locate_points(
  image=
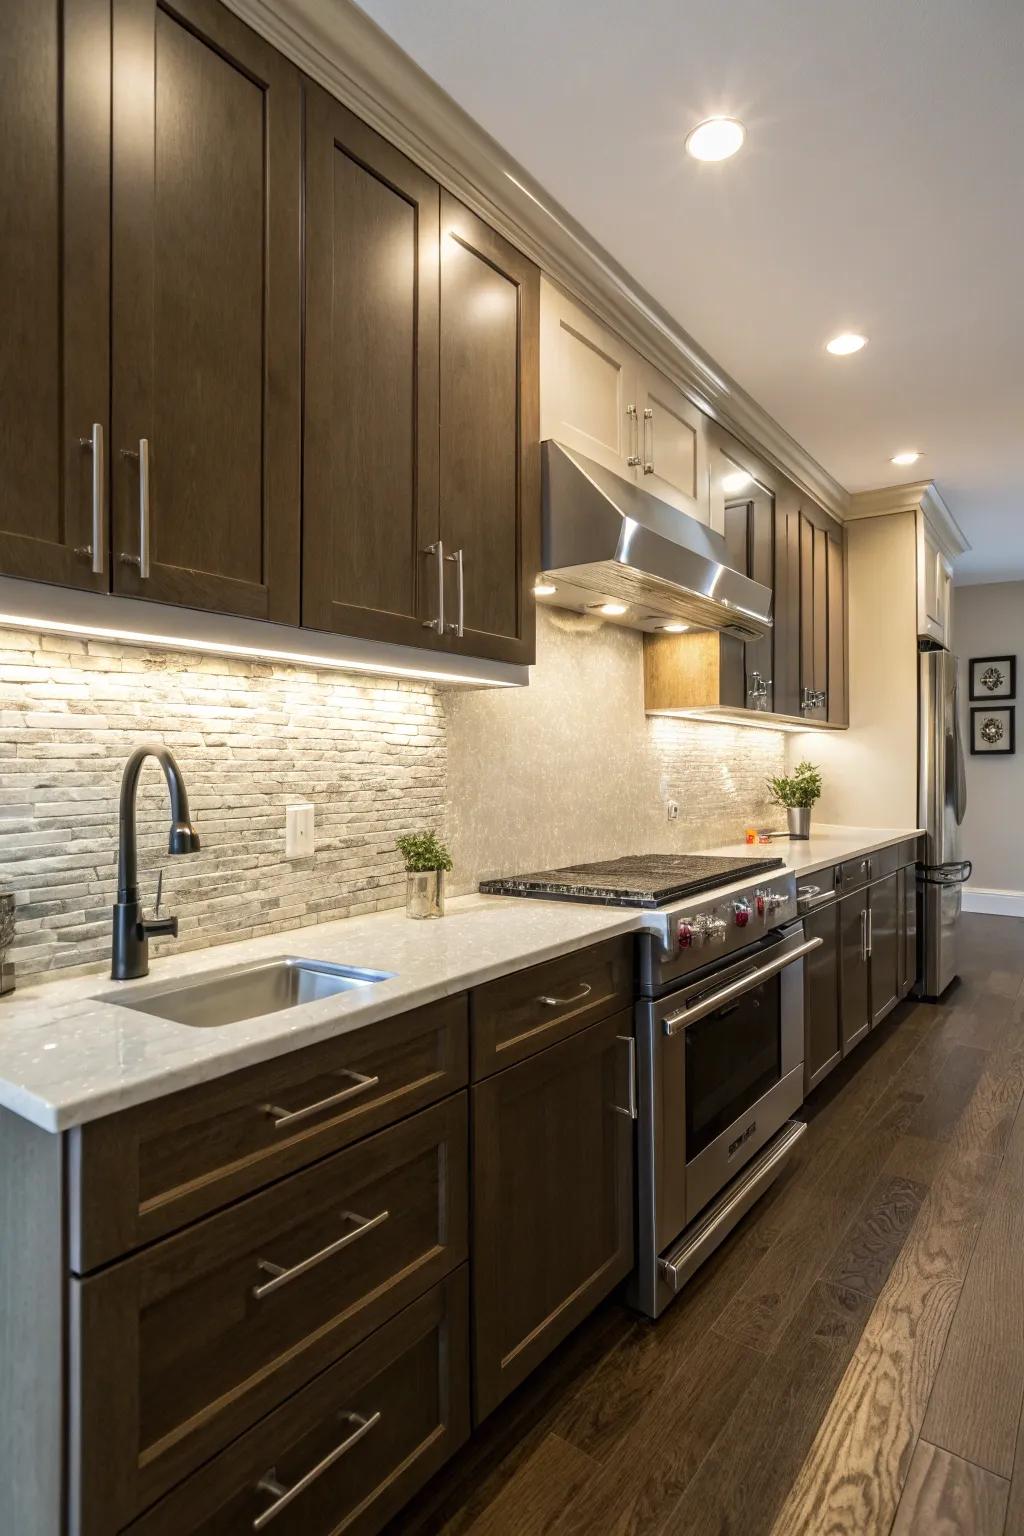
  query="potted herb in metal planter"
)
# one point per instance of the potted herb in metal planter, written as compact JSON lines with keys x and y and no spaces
{"x":797,"y":792}
{"x":426,"y":860}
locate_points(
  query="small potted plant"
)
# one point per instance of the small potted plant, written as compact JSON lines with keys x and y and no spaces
{"x":797,"y":792}
{"x":426,"y":859}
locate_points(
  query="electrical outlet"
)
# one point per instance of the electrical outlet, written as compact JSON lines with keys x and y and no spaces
{"x":299,"y":839}
{"x":673,"y":810}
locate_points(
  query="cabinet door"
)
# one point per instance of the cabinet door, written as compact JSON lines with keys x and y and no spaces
{"x":883,"y":942}
{"x":371,"y":402}
{"x":838,"y":707}
{"x":854,"y":999}
{"x":750,"y":541}
{"x":786,"y":634}
{"x":490,"y":445}
{"x":206,"y":312}
{"x":552,"y":1202}
{"x":673,"y":445}
{"x":908,"y":929}
{"x":934,"y":585}
{"x":813,"y":617}
{"x":588,"y":385}
{"x":54,"y":282}
{"x":822,"y":1042}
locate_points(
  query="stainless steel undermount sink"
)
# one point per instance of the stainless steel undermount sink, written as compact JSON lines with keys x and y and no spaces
{"x":245,"y":991}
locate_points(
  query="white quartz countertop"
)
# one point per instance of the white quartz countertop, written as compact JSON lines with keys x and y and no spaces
{"x":69,"y":1055}
{"x":825,"y":846}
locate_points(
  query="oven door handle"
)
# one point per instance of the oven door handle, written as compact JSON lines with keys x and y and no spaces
{"x":675,"y":1023}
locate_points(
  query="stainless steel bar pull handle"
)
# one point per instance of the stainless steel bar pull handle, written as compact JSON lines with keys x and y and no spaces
{"x":459,"y":627}
{"x":634,"y":457}
{"x":284,"y":1496}
{"x":675,"y":1022}
{"x":282,"y":1276}
{"x":144,"y":508}
{"x":864,"y":934}
{"x":437,"y":622}
{"x":648,"y":452}
{"x":563,"y":1002}
{"x":631,"y":1111}
{"x":98,"y":548}
{"x":361,"y":1083}
{"x":871,"y":937}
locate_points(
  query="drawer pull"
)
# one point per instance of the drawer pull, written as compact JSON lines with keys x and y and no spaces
{"x":562,"y":1002}
{"x":284,"y":1496}
{"x":283,"y":1117}
{"x":282,"y":1276}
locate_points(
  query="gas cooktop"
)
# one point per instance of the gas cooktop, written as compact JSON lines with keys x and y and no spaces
{"x":639,"y":880}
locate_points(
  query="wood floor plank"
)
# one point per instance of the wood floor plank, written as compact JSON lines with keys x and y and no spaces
{"x":945,"y":1496}
{"x":751,"y":1466}
{"x":851,"y":1481}
{"x":975,"y":1405}
{"x":946,"y":1099}
{"x":863,"y":1260}
{"x":531,"y":1501}
{"x":1015,"y":1507}
{"x":988,"y":1118}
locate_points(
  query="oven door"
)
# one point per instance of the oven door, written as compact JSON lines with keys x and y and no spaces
{"x":727,"y":1055}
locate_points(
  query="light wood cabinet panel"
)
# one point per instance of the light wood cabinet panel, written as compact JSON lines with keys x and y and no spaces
{"x":673,"y":445}
{"x":370,"y":491}
{"x":552,"y":1204}
{"x":55,"y":282}
{"x":206,"y":312}
{"x":589,"y":385}
{"x":489,"y":438}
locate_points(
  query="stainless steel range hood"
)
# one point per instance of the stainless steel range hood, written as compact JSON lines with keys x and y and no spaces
{"x":607,"y":541}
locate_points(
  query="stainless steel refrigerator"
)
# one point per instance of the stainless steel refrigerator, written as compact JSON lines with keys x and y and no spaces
{"x":942,"y":803}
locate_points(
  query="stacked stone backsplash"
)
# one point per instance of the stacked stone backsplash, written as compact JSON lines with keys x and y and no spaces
{"x":252,"y":737}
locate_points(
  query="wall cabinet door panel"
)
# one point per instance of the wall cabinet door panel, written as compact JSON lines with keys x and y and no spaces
{"x":55,"y":279}
{"x":206,"y":312}
{"x":589,"y":383}
{"x":854,"y":989}
{"x":552,"y":1204}
{"x":786,"y":636}
{"x":489,"y":439}
{"x":370,"y":509}
{"x":838,"y":686}
{"x":673,"y":445}
{"x":884,"y":939}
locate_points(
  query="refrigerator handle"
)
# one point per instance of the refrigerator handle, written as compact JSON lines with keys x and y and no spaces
{"x":959,"y":773}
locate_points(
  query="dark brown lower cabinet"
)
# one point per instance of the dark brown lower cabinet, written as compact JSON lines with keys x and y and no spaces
{"x":362,"y":1437}
{"x":854,"y":974}
{"x":823,"y":1046}
{"x":907,"y":879}
{"x":552,"y":1206}
{"x":883,"y":943}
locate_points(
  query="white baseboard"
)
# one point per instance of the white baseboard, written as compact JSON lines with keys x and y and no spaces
{"x":998,"y":903}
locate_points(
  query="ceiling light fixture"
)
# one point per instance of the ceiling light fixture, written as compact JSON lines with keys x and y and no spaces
{"x":734,"y":482}
{"x":612,"y":610}
{"x":907,"y":457}
{"x":716,"y":138}
{"x":544,"y":588}
{"x":845,"y":343}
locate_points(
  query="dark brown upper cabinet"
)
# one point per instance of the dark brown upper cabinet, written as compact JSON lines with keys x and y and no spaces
{"x":489,"y":438}
{"x":370,"y":489}
{"x":823,"y":686}
{"x":206,"y":316}
{"x":55,"y":279}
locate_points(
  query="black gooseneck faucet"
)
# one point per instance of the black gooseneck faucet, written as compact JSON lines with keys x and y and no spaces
{"x":131,"y":934}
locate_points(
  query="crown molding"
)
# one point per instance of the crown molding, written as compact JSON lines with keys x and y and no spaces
{"x":918,"y":496}
{"x":341,"y":48}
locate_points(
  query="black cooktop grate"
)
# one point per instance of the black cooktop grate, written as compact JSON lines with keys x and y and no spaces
{"x":639,"y":880}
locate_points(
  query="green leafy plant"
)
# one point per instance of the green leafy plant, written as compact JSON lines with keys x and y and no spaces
{"x":423,"y":851}
{"x":797,"y":790}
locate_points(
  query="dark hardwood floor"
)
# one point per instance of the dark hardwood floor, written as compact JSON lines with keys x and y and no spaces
{"x":849,"y":1363}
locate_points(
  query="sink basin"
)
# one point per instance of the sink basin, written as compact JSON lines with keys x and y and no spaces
{"x":245,"y":991}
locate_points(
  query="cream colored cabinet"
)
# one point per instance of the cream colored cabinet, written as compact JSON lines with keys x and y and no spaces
{"x":602,"y":398}
{"x":934,"y":585}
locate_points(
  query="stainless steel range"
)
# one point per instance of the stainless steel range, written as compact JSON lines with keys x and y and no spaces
{"x":720,"y":1043}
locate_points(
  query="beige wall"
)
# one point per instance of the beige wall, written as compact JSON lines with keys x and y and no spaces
{"x":870,"y":771}
{"x":988,"y":620}
{"x":571,"y":768}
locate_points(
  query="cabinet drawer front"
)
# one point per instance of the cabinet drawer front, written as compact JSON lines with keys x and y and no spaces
{"x":908,"y":851}
{"x":181,"y":1347}
{"x":518,"y":1015}
{"x":142,"y":1174}
{"x":413,"y":1373}
{"x":817,"y":889}
{"x":866,"y":868}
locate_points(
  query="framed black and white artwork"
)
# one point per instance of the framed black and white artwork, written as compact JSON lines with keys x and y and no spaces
{"x":993,"y":677}
{"x":993,"y":729}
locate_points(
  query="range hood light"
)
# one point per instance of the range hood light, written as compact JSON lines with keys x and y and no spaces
{"x":673,"y":629}
{"x":611,"y":610}
{"x":544,"y":589}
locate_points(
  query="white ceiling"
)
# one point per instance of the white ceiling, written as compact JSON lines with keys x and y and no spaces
{"x":881,"y":189}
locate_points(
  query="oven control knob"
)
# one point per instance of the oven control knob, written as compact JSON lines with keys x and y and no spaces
{"x":741,"y":913}
{"x":686,"y":935}
{"x":761,"y":903}
{"x":775,"y":900}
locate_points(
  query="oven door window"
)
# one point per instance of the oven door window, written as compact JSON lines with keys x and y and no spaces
{"x":732,"y":1058}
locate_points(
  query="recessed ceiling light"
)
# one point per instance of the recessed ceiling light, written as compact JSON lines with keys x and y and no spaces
{"x":674,"y":629}
{"x":612,"y":610}
{"x":908,"y":456}
{"x":544,"y":588}
{"x":717,"y":138}
{"x":734,"y":482}
{"x":845,"y":343}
